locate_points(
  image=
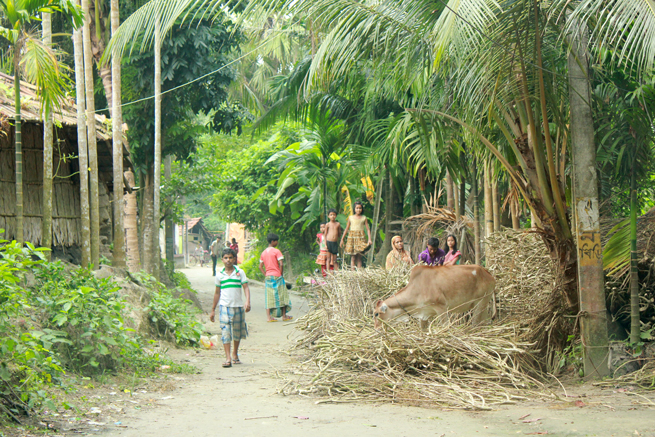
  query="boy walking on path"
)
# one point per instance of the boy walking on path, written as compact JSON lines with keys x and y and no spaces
{"x":231,"y":311}
{"x":271,"y":264}
{"x":332,"y":235}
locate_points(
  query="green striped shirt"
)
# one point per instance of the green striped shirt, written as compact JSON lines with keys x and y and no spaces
{"x":231,"y":287}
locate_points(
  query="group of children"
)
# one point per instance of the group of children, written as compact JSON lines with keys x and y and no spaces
{"x":331,"y":238}
{"x":231,"y":282}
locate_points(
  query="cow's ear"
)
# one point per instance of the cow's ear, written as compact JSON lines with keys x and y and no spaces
{"x":383,"y":308}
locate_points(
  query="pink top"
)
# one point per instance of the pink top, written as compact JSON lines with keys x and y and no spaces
{"x":270,"y":257}
{"x":450,"y":255}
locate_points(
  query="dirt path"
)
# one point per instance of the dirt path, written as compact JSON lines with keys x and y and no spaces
{"x":242,"y":400}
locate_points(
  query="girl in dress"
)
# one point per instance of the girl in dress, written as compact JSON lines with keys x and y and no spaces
{"x":322,"y":259}
{"x":357,"y":242}
{"x":452,"y":255}
{"x":398,"y":255}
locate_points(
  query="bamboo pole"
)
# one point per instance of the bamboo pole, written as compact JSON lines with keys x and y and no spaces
{"x":496,"y":205}
{"x":488,"y":200}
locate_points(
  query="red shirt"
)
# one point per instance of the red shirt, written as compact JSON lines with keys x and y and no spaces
{"x":271,"y":257}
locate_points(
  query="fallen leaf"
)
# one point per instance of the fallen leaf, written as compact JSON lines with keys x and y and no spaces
{"x":524,"y":416}
{"x":300,"y":417}
{"x":579,"y":404}
{"x":532,"y":420}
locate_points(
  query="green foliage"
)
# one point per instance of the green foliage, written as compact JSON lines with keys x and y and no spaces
{"x":171,"y":317}
{"x":83,"y":320}
{"x":67,"y":321}
{"x":251,"y":266}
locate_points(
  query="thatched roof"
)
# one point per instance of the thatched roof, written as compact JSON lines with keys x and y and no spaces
{"x":31,"y":107}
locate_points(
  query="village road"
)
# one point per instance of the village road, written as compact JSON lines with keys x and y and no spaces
{"x":243,"y":401}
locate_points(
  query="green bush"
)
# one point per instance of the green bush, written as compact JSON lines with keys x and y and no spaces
{"x":171,"y":317}
{"x":251,"y":266}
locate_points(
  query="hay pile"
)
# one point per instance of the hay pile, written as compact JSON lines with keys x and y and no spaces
{"x":524,"y":272}
{"x":452,"y":364}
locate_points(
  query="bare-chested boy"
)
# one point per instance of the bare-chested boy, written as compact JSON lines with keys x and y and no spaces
{"x":332,"y":235}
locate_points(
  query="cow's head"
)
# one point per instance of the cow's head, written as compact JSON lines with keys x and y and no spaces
{"x":379,"y":313}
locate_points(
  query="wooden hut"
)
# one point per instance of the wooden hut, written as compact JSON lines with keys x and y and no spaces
{"x":66,"y":183}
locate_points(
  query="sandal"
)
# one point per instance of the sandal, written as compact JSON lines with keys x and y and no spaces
{"x":227,"y":364}
{"x":287,"y":318}
{"x":272,"y":320}
{"x":236,"y":360}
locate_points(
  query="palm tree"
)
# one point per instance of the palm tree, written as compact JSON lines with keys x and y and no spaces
{"x":85,"y":220}
{"x":117,"y":141}
{"x":156,"y":251}
{"x":91,"y":138}
{"x":46,"y":222}
{"x":42,"y":68}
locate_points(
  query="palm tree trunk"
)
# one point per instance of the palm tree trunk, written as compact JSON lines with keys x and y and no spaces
{"x":117,"y":147}
{"x":170,"y":241}
{"x":156,"y":254}
{"x":147,"y":222}
{"x":593,"y":326}
{"x":488,"y":201}
{"x":91,"y":138}
{"x":450,"y":199}
{"x":635,"y":318}
{"x":376,"y":218}
{"x":514,"y":208}
{"x":46,"y":221}
{"x":18,"y":219}
{"x":131,"y":226}
{"x":476,"y":213}
{"x":462,"y":198}
{"x":495,"y":205}
{"x":85,"y":225}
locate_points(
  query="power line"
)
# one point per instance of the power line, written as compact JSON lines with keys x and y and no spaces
{"x":189,"y":82}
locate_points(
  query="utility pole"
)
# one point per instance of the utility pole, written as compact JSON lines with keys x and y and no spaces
{"x":593,"y":312}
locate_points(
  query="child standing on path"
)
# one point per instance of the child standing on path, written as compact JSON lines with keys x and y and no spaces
{"x":357,"y":244}
{"x":271,"y":265}
{"x":231,"y":311}
{"x":322,"y":259}
{"x":332,"y":234}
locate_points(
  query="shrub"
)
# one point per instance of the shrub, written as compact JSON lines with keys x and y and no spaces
{"x":251,"y":266}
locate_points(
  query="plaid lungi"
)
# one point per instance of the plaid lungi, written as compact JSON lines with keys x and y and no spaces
{"x":233,"y":323}
{"x":277,"y":295}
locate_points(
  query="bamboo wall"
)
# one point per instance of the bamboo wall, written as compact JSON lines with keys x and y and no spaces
{"x":66,"y":188}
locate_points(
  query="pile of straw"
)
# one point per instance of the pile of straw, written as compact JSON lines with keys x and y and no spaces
{"x":452,"y":364}
{"x":524,"y":272}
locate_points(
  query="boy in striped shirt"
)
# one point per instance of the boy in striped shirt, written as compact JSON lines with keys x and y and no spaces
{"x":231,"y":311}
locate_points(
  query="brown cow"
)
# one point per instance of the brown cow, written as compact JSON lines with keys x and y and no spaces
{"x":432,"y":291}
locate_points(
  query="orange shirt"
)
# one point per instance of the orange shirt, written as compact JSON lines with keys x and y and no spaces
{"x":271,"y":257}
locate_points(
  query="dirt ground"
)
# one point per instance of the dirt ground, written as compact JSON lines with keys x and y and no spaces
{"x":242,"y":400}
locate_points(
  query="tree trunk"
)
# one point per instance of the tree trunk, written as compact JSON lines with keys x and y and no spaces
{"x":18,"y":219}
{"x":376,"y":218}
{"x":147,"y":223}
{"x":476,"y":214}
{"x":117,"y":146}
{"x":413,"y":207}
{"x":170,"y":240}
{"x":46,"y":222}
{"x":381,"y":256}
{"x":462,"y":198}
{"x":635,"y":318}
{"x":514,"y":208}
{"x":85,"y":225}
{"x":91,"y":138}
{"x":156,"y":254}
{"x":458,"y":210}
{"x":593,"y":313}
{"x":450,"y":199}
{"x":496,"y":206}
{"x":488,"y":201}
{"x":131,"y":227}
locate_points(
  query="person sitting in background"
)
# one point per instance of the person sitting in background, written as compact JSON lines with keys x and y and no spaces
{"x":453,"y":255}
{"x":433,"y":255}
{"x":398,"y":255}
